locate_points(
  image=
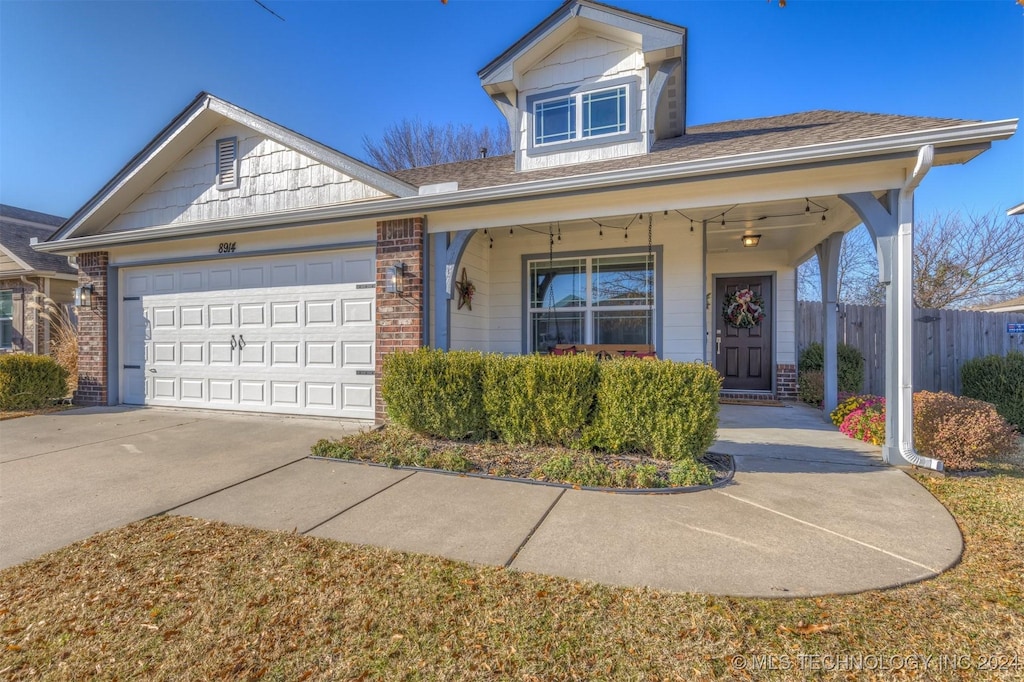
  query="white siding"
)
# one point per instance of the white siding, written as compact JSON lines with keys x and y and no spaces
{"x":272,"y":178}
{"x":755,"y":260}
{"x":502,"y":308}
{"x":583,"y":58}
{"x":469,"y":328}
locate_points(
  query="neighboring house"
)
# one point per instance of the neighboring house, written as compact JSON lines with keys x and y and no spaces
{"x":1013,"y":305}
{"x":25,"y":272}
{"x":236,"y":264}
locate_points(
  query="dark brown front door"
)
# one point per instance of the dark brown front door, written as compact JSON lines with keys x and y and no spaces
{"x":743,"y":336}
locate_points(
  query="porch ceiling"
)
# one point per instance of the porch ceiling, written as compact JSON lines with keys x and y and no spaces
{"x":792,"y":226}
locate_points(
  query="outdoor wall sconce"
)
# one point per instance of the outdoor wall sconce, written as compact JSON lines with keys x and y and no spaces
{"x":83,"y":297}
{"x":393,"y":278}
{"x":750,"y":239}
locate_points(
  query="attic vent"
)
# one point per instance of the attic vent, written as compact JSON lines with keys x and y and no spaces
{"x":227,"y":163}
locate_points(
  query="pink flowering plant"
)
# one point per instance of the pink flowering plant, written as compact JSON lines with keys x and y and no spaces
{"x":848,"y":403}
{"x":866,"y":422}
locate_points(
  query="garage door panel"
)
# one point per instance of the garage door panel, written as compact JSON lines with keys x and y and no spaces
{"x":193,"y":389}
{"x":252,"y":314}
{"x":254,"y":354}
{"x":357,"y":354}
{"x":357,"y":312}
{"x":219,"y":335}
{"x":222,"y":315}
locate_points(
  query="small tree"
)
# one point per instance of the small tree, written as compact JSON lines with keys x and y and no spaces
{"x":412,"y":143}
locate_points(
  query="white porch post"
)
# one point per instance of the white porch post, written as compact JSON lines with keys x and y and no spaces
{"x":828,"y":267}
{"x":891,"y":224}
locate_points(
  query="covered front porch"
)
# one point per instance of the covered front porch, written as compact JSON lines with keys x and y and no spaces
{"x":664,"y":266}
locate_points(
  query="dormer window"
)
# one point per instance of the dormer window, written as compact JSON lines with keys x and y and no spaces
{"x":581,"y":115}
{"x":589,"y":116}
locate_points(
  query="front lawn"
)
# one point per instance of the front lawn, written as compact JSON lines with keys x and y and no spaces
{"x":398,"y":446}
{"x":178,"y":598}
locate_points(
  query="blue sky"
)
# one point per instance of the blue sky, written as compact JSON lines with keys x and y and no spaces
{"x":85,"y":85}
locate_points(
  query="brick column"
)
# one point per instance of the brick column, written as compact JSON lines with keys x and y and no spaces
{"x":92,"y":331}
{"x":785,"y":382}
{"x":399,"y":315}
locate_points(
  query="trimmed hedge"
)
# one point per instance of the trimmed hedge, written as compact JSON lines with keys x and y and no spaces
{"x":653,"y":407}
{"x":960,"y":431}
{"x":436,"y":392}
{"x":660,"y":408}
{"x":850,"y":370}
{"x":998,"y":380}
{"x":30,"y":381}
{"x":539,"y":399}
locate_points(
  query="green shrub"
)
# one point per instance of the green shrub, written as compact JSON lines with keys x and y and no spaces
{"x":998,"y":380}
{"x":646,"y":476}
{"x":657,"y":407}
{"x":688,"y":473}
{"x":810,"y":387}
{"x":539,"y":399}
{"x":435,"y":392}
{"x":851,"y":365}
{"x":30,"y":381}
{"x":960,"y":431}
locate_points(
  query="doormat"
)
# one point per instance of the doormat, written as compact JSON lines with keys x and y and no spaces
{"x":765,"y":402}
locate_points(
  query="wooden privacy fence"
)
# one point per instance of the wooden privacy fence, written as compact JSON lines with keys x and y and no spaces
{"x":943,"y":341}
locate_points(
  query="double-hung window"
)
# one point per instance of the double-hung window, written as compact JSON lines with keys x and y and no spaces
{"x":6,"y":319}
{"x":581,"y":116}
{"x":591,"y":300}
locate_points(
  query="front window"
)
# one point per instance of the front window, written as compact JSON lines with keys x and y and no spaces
{"x":591,"y":300}
{"x":6,"y":314}
{"x":581,"y":116}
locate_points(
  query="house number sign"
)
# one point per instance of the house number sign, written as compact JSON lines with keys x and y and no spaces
{"x":226,"y":247}
{"x":1014,"y":328}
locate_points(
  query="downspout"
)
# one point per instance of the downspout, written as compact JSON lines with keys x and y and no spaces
{"x":904,"y":308}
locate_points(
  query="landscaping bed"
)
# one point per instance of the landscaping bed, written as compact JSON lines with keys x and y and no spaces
{"x":397,"y":446}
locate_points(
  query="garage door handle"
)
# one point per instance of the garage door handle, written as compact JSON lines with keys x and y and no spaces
{"x":234,"y":344}
{"x":241,"y":342}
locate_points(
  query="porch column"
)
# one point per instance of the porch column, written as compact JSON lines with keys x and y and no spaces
{"x":828,"y":267}
{"x":890,"y":220}
{"x":448,"y":250}
{"x":399,"y":315}
{"x":93,"y":369}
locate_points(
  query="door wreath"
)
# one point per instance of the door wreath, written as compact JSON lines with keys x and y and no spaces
{"x":743,"y":309}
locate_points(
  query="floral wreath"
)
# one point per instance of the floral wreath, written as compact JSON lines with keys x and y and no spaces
{"x":744,"y":309}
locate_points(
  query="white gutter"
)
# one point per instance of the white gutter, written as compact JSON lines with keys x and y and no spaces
{"x":971,"y":133}
{"x":904,"y":314}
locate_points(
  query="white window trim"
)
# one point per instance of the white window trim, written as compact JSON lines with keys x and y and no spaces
{"x":577,"y":135}
{"x":588,"y":309}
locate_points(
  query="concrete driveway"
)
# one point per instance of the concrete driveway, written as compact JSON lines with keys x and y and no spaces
{"x":809,"y":511}
{"x":68,"y":475}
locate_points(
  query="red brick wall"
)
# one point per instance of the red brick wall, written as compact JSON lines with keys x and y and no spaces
{"x":399,"y":315}
{"x":785,"y":382}
{"x":92,"y":331}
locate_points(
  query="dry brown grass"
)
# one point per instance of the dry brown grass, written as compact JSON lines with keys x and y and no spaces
{"x":177,"y":598}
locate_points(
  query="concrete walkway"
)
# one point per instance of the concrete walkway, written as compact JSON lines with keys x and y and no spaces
{"x":809,"y":511}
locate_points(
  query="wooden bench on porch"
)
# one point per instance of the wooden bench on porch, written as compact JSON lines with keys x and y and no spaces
{"x":607,"y":351}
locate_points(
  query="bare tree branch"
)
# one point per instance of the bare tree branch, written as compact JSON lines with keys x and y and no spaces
{"x":958,"y":262}
{"x":413,"y":144}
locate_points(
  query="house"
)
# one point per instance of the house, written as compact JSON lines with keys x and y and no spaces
{"x":1012,"y":305}
{"x":24,"y":273}
{"x":236,"y":264}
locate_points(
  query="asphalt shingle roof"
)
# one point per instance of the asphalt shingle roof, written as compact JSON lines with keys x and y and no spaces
{"x":16,"y":238}
{"x":706,"y":141}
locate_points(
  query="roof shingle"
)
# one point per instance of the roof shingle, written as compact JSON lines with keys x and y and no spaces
{"x":16,"y":237}
{"x":708,"y":141}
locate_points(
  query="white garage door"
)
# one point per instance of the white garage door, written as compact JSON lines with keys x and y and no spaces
{"x":287,"y":334}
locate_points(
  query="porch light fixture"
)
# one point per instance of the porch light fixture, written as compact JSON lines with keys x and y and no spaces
{"x":393,"y":276}
{"x":750,"y":239}
{"x":83,"y":297}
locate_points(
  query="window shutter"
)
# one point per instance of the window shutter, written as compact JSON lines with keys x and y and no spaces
{"x":227,"y":163}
